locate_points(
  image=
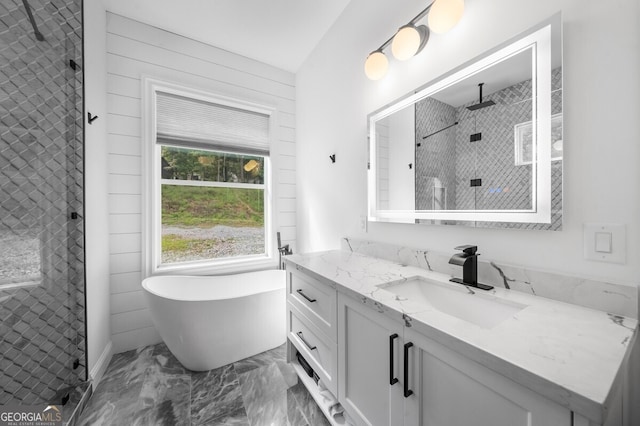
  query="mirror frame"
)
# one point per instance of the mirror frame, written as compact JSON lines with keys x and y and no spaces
{"x":539,"y":40}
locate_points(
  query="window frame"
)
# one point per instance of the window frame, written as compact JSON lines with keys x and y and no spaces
{"x":152,"y":185}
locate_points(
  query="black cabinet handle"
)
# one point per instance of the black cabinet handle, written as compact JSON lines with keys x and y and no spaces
{"x":392,"y":380}
{"x":305,"y":342}
{"x":305,"y":296}
{"x":407,"y":392}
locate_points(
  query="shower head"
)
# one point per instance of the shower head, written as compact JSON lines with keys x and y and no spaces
{"x":480,"y":104}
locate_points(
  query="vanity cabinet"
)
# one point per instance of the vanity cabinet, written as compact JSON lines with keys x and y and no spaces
{"x":369,"y":360}
{"x":385,"y":372}
{"x":450,"y":389}
{"x":311,"y":324}
{"x":316,"y":300}
{"x":388,"y":374}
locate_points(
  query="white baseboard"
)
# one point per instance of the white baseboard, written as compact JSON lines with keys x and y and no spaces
{"x":135,"y":339}
{"x":96,"y":373}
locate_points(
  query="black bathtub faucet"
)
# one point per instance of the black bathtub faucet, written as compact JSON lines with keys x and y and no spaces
{"x":468,"y":259}
{"x":282,"y":251}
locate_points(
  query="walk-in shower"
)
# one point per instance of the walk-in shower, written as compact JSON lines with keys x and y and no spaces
{"x":42,"y":285}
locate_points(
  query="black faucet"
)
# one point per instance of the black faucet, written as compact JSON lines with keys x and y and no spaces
{"x":282,"y":251}
{"x":468,"y":259}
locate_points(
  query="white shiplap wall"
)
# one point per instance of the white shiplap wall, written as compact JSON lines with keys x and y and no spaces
{"x":135,"y":49}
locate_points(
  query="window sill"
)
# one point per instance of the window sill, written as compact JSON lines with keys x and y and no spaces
{"x":222,"y":267}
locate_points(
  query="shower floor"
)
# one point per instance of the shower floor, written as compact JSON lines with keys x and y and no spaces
{"x":150,"y":387}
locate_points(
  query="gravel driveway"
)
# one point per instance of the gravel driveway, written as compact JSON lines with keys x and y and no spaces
{"x":20,"y":249}
{"x":216,"y":242}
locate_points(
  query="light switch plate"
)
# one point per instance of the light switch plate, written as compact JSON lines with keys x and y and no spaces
{"x":595,"y":242}
{"x":603,"y":242}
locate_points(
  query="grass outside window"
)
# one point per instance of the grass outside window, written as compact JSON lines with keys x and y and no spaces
{"x":201,"y":222}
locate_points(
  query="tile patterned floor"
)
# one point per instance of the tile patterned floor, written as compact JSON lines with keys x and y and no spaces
{"x":149,"y":386}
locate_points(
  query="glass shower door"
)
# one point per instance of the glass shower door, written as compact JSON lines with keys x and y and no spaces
{"x":42,"y":302}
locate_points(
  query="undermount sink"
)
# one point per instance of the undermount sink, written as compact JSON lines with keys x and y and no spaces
{"x":462,"y":302}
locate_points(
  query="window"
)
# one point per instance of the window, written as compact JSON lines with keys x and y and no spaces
{"x":209,"y":189}
{"x":212,"y":205}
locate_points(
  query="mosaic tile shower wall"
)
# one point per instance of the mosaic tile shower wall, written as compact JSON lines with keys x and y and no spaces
{"x":505,"y":184}
{"x":42,"y":316}
{"x":492,"y":158}
{"x":435,"y":154}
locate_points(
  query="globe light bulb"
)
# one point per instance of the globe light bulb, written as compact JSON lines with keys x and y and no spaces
{"x":405,"y":43}
{"x":376,"y":65}
{"x":444,"y":15}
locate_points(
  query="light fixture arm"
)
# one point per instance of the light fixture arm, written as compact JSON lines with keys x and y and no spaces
{"x":422,"y":14}
{"x":411,"y":22}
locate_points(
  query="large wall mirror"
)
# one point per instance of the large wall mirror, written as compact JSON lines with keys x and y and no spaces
{"x":480,"y":146}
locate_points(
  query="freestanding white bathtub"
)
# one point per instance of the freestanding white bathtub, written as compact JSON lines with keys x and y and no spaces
{"x":208,"y":322}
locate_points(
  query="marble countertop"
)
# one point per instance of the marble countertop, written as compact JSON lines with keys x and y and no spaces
{"x":570,"y":354}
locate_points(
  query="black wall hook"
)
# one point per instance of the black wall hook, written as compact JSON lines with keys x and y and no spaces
{"x":333,"y":158}
{"x":91,"y":118}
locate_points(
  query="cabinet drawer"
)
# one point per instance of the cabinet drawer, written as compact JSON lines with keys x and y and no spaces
{"x":315,"y":300}
{"x":315,"y":348}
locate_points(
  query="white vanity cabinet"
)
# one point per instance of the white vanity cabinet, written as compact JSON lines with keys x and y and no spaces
{"x":314,"y":299}
{"x":311,"y":324}
{"x":388,"y":374}
{"x":369,"y":360}
{"x":385,"y":370}
{"x":450,"y":389}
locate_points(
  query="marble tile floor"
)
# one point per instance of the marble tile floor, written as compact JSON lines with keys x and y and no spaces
{"x":149,"y":386}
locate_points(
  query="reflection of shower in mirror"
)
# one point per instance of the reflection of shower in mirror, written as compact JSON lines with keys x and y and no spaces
{"x":439,"y":195}
{"x":480,"y":104}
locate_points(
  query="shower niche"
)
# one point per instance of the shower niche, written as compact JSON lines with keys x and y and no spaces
{"x":481,"y":146}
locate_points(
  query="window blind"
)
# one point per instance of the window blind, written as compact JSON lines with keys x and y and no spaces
{"x":194,"y":123}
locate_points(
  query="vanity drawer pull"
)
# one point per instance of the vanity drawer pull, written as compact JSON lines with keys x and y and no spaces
{"x":392,"y":380}
{"x":305,"y":296}
{"x":407,"y":392}
{"x":299,"y":333}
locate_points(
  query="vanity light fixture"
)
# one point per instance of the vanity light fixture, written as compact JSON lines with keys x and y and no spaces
{"x":445,"y":14}
{"x":410,"y":39}
{"x":376,"y":65}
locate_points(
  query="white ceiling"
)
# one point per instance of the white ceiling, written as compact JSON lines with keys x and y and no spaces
{"x":281,"y":33}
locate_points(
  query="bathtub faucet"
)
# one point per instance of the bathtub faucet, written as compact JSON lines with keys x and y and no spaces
{"x":282,"y":251}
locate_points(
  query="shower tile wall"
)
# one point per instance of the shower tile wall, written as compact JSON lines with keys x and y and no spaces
{"x":41,"y":185}
{"x":436,"y":154}
{"x":492,"y":159}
